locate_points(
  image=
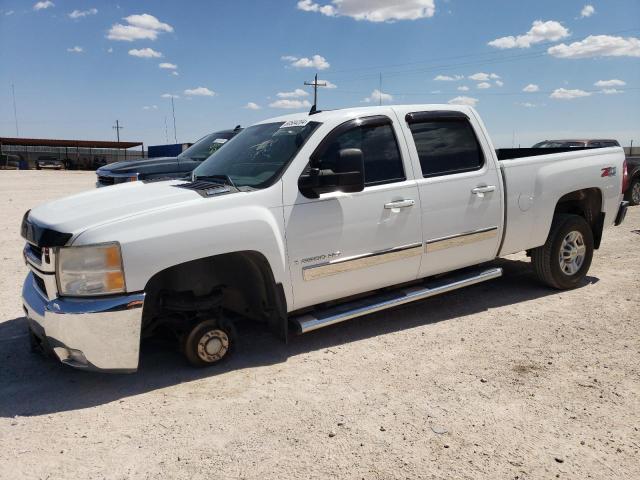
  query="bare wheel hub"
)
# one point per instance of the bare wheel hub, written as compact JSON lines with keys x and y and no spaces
{"x":213,"y":345}
{"x":572,"y":253}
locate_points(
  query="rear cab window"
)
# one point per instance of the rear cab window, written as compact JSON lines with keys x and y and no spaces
{"x":446,"y":143}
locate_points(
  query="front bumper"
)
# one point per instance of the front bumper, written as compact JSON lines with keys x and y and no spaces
{"x":622,"y":213}
{"x":99,"y":334}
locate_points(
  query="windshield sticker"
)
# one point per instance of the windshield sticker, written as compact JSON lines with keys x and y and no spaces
{"x":220,"y":140}
{"x":295,"y":123}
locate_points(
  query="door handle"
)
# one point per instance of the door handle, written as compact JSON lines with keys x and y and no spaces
{"x":481,"y":190}
{"x":399,"y":204}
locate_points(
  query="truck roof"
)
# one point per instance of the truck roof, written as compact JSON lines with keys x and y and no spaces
{"x":351,"y":112}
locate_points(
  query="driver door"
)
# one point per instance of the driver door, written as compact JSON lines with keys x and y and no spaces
{"x":343,"y":244}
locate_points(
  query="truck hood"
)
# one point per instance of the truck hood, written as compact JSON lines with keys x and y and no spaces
{"x":134,"y":166}
{"x":83,"y":211}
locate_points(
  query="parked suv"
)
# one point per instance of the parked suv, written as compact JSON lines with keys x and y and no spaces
{"x":164,"y":167}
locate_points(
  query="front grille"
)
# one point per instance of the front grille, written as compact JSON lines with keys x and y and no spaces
{"x":35,"y":250}
{"x":106,"y":180}
{"x":40,"y":284}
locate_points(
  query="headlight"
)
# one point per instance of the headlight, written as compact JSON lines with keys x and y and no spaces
{"x":90,"y":270}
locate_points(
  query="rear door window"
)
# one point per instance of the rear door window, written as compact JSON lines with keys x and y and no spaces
{"x":446,"y":147}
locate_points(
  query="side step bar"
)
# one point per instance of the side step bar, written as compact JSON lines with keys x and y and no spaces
{"x":323,"y":318}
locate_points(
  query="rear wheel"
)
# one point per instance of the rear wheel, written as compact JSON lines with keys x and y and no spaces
{"x":633,"y":194}
{"x":564,"y":260}
{"x":209,"y":342}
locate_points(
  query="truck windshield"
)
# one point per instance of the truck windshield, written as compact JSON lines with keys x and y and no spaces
{"x":206,"y":146}
{"x":258,"y":154}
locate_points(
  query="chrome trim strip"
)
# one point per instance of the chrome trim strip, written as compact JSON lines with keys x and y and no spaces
{"x":309,"y":322}
{"x":460,"y":239}
{"x":356,"y":262}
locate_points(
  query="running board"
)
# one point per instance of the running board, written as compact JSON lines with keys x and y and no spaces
{"x":323,"y":318}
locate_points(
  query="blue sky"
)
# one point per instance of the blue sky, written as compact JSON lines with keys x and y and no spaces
{"x":77,"y":66}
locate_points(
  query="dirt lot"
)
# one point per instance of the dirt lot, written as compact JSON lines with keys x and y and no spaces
{"x":506,"y":379}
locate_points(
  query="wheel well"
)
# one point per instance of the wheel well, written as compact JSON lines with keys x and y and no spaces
{"x":240,"y":282}
{"x":588,"y":204}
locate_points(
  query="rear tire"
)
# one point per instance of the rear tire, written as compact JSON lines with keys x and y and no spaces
{"x":209,"y":342}
{"x":633,"y":192}
{"x":564,"y":260}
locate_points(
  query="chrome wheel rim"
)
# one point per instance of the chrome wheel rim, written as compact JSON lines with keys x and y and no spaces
{"x":635,"y":192}
{"x":572,"y":253}
{"x":213,"y":345}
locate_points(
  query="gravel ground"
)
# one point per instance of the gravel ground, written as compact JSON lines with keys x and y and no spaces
{"x":505,"y":379}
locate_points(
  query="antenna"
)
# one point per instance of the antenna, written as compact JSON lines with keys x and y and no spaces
{"x":166,"y":131}
{"x":173,"y":110}
{"x":117,"y":127}
{"x":15,"y":114}
{"x":315,"y":85}
{"x":380,"y":90}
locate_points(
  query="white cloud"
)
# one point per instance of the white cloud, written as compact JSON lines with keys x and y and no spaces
{"x":611,"y":91}
{"x":564,"y":94}
{"x":167,"y":66}
{"x":9,"y":12}
{"x":175,"y":74}
{"x":499,"y":83}
{"x":75,"y":49}
{"x":540,"y":32}
{"x":463,"y":88}
{"x":377,"y":96}
{"x":614,"y":82}
{"x":199,"y":92}
{"x":532,"y":87}
{"x":150,"y":107}
{"x":110,"y":50}
{"x":587,"y":11}
{"x":527,"y":104}
{"x":83,"y":13}
{"x":373,"y":10}
{"x":169,"y":95}
{"x":140,"y":27}
{"x":483,"y":77}
{"x":484,"y":85}
{"x":448,"y":78}
{"x":252,"y":106}
{"x":145,"y":53}
{"x":598,"y":46}
{"x":43,"y":5}
{"x":328,"y":84}
{"x":462,"y":100}
{"x":317,"y":61}
{"x":291,"y":104}
{"x":297,"y":93}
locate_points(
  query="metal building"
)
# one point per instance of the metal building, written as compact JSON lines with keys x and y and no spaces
{"x":69,"y":154}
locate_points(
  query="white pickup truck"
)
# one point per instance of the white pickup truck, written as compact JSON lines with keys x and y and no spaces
{"x":304,"y":221}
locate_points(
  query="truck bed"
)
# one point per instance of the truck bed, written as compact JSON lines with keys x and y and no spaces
{"x":511,"y":153}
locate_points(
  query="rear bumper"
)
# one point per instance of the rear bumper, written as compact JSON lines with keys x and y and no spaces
{"x":622,"y":213}
{"x":99,"y":334}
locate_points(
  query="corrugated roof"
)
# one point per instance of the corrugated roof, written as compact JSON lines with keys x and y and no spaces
{"x":49,"y":142}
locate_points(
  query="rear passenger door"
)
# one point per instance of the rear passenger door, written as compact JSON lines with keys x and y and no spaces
{"x":460,"y":190}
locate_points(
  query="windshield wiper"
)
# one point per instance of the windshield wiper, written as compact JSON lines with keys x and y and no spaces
{"x":225,"y":178}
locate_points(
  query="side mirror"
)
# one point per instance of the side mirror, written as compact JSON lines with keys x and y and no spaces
{"x":347,"y":176}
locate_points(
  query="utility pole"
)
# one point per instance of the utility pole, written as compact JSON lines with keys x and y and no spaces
{"x":315,"y":86}
{"x":173,"y":110}
{"x":15,"y":114}
{"x":117,"y":127}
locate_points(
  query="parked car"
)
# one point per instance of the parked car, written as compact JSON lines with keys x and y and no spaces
{"x":49,"y":163}
{"x":598,"y":143}
{"x":9,"y":162}
{"x":164,"y":168}
{"x":632,"y":194}
{"x":304,"y":221}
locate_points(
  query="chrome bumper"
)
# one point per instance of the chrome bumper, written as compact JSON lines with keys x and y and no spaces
{"x":100,"y":334}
